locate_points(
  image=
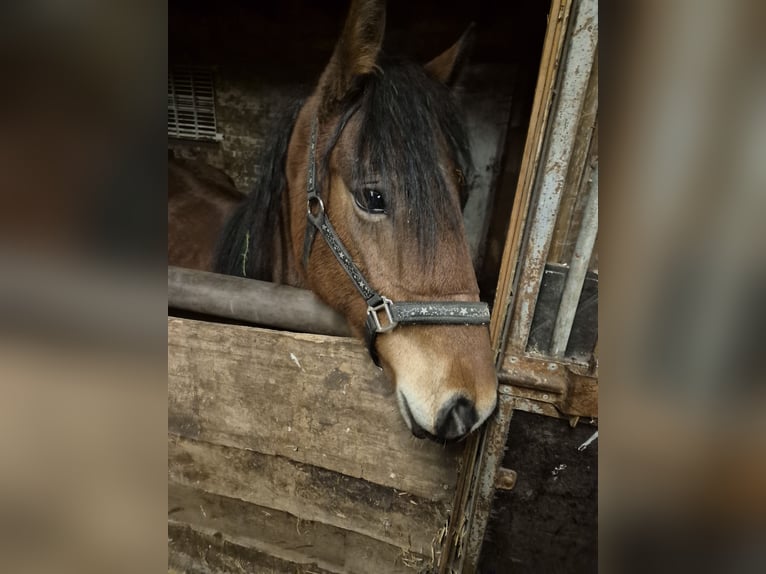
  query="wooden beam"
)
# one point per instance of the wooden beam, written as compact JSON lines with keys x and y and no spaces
{"x":193,"y":552}
{"x":241,"y":531}
{"x":308,"y":398}
{"x":307,"y":492}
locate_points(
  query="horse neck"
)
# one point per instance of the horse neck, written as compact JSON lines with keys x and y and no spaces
{"x":285,"y":269}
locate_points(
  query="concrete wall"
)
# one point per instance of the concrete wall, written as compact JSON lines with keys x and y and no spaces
{"x":247,"y":112}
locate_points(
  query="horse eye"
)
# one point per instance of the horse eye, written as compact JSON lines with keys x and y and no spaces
{"x":370,"y":200}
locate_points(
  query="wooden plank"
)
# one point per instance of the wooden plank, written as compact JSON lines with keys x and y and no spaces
{"x":193,"y":552}
{"x":308,"y":492}
{"x":310,"y":398}
{"x":237,"y":529}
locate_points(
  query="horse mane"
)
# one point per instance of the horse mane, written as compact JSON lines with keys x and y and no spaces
{"x":246,"y":246}
{"x":406,"y":120}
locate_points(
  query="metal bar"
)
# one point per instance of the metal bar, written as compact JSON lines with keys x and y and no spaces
{"x":578,"y":268}
{"x":194,"y":105}
{"x":558,"y":20}
{"x":171,"y":85}
{"x":491,"y":455}
{"x":573,"y":84}
{"x":252,"y":301}
{"x":572,"y":80}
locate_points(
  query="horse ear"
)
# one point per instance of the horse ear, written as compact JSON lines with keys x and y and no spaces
{"x":446,"y":66}
{"x":356,"y":52}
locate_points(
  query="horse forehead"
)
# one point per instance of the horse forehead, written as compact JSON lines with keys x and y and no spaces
{"x":348,"y":157}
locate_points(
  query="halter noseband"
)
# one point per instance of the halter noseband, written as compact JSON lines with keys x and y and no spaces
{"x":394,"y":314}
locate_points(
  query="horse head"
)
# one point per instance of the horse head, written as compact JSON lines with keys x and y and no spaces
{"x":383,"y":142}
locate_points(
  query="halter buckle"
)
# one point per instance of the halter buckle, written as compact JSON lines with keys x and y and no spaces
{"x":385,"y":305}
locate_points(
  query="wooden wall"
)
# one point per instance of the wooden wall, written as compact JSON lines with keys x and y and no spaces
{"x":287,"y":453}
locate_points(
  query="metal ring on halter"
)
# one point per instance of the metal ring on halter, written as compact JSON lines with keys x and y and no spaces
{"x":315,"y":218}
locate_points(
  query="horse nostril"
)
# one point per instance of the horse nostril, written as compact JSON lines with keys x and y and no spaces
{"x":456,"y":419}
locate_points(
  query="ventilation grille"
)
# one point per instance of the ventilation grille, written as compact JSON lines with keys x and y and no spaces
{"x":191,"y":104}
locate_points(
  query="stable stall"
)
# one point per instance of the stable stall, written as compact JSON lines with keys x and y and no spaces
{"x":287,"y":452}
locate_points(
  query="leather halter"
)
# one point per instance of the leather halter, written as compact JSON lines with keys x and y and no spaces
{"x":379,"y":307}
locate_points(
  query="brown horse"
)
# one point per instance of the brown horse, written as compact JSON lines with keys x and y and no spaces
{"x":382,"y":147}
{"x":201,"y":199}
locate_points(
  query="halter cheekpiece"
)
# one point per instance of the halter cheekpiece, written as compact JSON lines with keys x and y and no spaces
{"x":383,"y":315}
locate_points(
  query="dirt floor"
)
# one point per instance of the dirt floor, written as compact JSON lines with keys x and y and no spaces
{"x":549,"y":521}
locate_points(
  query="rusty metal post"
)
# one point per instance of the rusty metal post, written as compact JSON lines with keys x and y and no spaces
{"x":572,"y":85}
{"x":490,"y":458}
{"x":474,"y":506}
{"x":578,"y":268}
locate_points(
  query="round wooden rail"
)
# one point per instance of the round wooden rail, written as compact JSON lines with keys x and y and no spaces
{"x":252,"y":301}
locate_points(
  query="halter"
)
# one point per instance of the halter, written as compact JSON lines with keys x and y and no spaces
{"x":383,"y":315}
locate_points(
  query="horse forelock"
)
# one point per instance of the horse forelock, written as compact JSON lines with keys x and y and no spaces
{"x":410,"y":137}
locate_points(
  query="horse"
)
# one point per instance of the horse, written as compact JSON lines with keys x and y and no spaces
{"x":360,"y":200}
{"x":201,"y":198}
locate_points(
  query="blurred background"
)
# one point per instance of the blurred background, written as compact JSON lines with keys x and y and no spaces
{"x":683,"y":472}
{"x":82,"y":286}
{"x":83,"y":148}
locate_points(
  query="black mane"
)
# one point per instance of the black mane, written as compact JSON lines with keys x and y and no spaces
{"x":406,"y":121}
{"x":246,"y":246}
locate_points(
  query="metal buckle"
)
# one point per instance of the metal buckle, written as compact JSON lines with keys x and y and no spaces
{"x":384,"y":306}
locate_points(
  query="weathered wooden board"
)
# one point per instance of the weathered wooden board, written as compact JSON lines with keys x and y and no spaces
{"x":253,"y":530}
{"x":193,"y":552}
{"x":308,"y":492}
{"x":314,"y":399}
